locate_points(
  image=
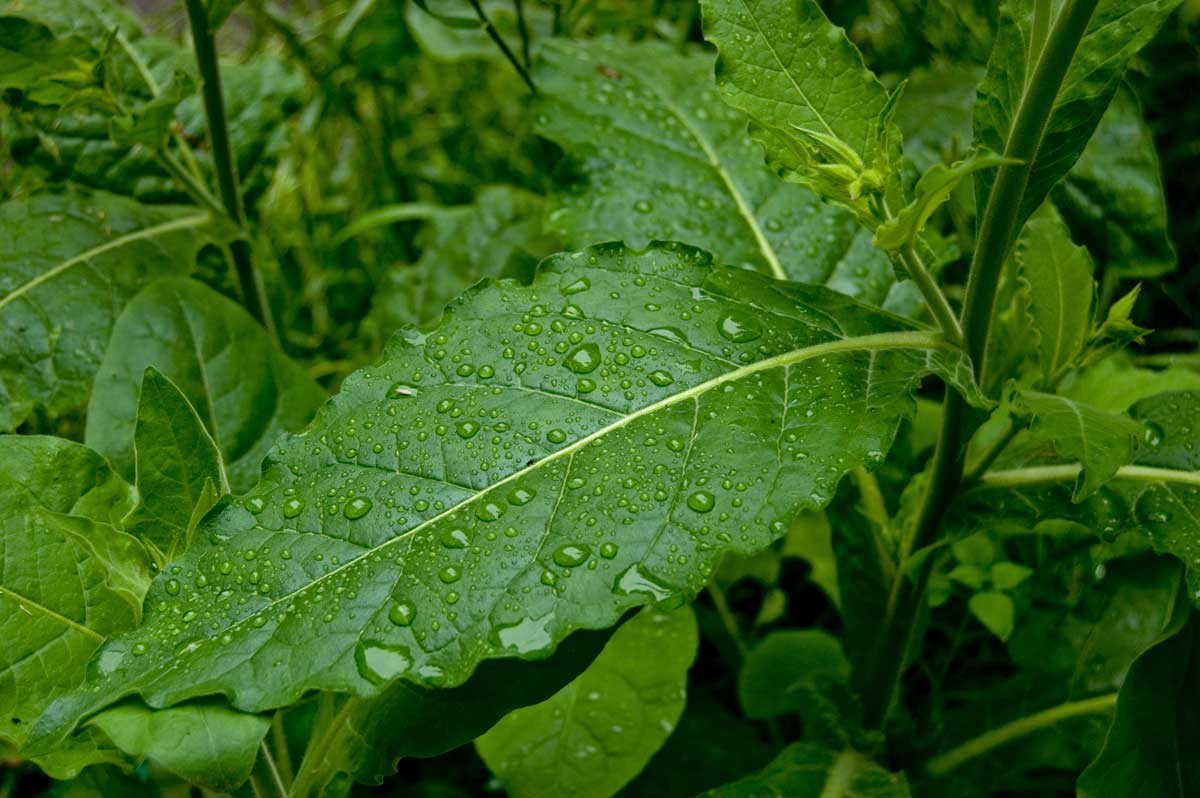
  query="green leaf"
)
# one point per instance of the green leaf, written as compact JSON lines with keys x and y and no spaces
{"x":1115,"y":32}
{"x":68,"y":579}
{"x":1062,"y":293}
{"x":207,"y":744}
{"x":219,"y":11}
{"x":935,"y":113}
{"x":1157,"y":498}
{"x":47,"y":69}
{"x":1153,"y":746}
{"x":599,"y":731}
{"x":436,"y":513}
{"x":455,"y":43}
{"x":806,"y":770}
{"x":244,"y":390}
{"x":932,"y":190}
{"x":1114,"y":194}
{"x":176,"y":460}
{"x":791,"y":671}
{"x":994,"y":610}
{"x":1007,"y":575}
{"x":663,"y":159}
{"x":1100,"y":441}
{"x":364,"y":738}
{"x":498,"y":235}
{"x":1115,"y":383}
{"x":69,"y":263}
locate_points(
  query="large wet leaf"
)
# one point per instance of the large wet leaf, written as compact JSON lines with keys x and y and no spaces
{"x":68,"y":578}
{"x":69,"y":263}
{"x":244,"y":390}
{"x":598,"y":732}
{"x":663,"y":158}
{"x":1115,"y":32}
{"x":547,"y":458}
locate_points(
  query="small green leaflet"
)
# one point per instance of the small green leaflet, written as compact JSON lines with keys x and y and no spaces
{"x":546,"y":459}
{"x":792,"y":671}
{"x":599,"y":731}
{"x":804,"y":770}
{"x":80,"y":256}
{"x":177,"y":465}
{"x":664,"y":159}
{"x":244,"y":390}
{"x":1115,"y":32}
{"x":1062,"y":293}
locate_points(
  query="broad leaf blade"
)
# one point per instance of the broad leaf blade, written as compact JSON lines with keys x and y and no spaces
{"x":68,"y":578}
{"x":546,"y":459}
{"x":803,"y":769}
{"x":244,"y":390}
{"x":176,"y":458}
{"x":68,"y":264}
{"x":662,"y":158}
{"x":1116,"y":31}
{"x":599,"y":731}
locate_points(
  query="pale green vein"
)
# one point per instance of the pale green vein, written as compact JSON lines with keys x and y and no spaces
{"x":140,"y":235}
{"x":27,"y":602}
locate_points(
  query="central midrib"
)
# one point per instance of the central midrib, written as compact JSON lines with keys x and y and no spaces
{"x":912,"y":339}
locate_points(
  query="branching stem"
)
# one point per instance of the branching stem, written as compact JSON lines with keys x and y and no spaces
{"x":503,"y":45}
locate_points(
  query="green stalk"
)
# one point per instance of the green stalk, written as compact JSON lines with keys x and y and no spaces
{"x":938,"y":304}
{"x":204,"y":44}
{"x":998,"y":230}
{"x":943,"y":763}
{"x":503,"y":45}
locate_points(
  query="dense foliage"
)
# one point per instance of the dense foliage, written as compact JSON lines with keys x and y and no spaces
{"x":599,"y":398}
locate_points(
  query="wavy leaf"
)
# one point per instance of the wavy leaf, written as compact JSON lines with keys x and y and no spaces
{"x":804,"y":769}
{"x":663,"y":158}
{"x":244,"y":390}
{"x":546,"y":459}
{"x":598,"y":732}
{"x":68,"y":265}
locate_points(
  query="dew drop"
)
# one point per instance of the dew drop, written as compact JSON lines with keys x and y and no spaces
{"x":583,"y":359}
{"x":357,"y":507}
{"x":701,"y":501}
{"x":379,"y":662}
{"x":571,"y":555}
{"x":292,"y":507}
{"x":739,"y":326}
{"x":402,"y":613}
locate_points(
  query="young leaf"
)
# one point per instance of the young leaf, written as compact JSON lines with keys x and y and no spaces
{"x":77,"y":256}
{"x":175,"y":459}
{"x":244,"y":390}
{"x":664,"y":159}
{"x":1062,"y":292}
{"x":1114,"y":194}
{"x":479,"y":492}
{"x":932,"y":190}
{"x":47,"y":69}
{"x":68,"y":579}
{"x":804,"y":769}
{"x":208,"y":744}
{"x":1153,"y":746}
{"x":790,"y":671}
{"x":1115,"y":383}
{"x":599,"y":731}
{"x":994,"y":610}
{"x":1115,"y":31}
{"x":1100,"y":441}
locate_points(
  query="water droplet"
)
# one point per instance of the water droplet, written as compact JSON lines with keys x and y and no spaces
{"x":608,"y":550}
{"x":172,"y":587}
{"x":583,"y":359}
{"x":636,"y":579}
{"x":138,"y":649}
{"x":556,"y":436}
{"x":572,"y":555}
{"x":577,"y":287}
{"x":450,"y":574}
{"x":739,"y":326}
{"x":521,"y":496}
{"x":255,"y":504}
{"x":701,"y":501}
{"x":489,"y":510}
{"x":1154,"y":434}
{"x":402,"y":613}
{"x":357,"y":507}
{"x":455,"y":538}
{"x":529,"y":634}
{"x":379,"y":662}
{"x":400,"y":391}
{"x":292,"y":507}
{"x":643,"y":206}
{"x":466,"y":429}
{"x":661,"y":378}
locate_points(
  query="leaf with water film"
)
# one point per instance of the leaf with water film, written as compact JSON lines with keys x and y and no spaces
{"x":804,"y":769}
{"x":546,"y":459}
{"x":1115,"y":32}
{"x":1156,"y":498}
{"x":590,"y":738}
{"x":664,"y":159}
{"x":69,"y":263}
{"x":243,"y":389}
{"x":68,"y":579}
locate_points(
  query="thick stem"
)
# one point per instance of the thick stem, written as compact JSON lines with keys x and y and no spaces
{"x":998,"y":230}
{"x":938,"y":304}
{"x":944,"y":763}
{"x":250,"y":282}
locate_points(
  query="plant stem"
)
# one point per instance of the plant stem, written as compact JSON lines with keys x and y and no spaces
{"x":998,"y":229}
{"x":727,"y":618}
{"x":250,"y":282}
{"x":944,"y":763}
{"x":272,"y":770}
{"x":997,"y":449}
{"x":523,"y":30}
{"x":194,"y":188}
{"x":938,"y":304}
{"x":504,"y":48}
